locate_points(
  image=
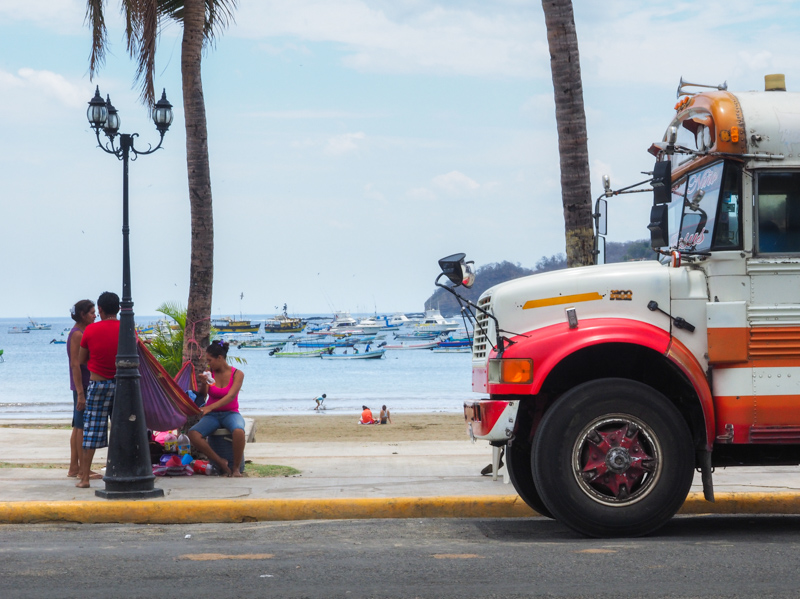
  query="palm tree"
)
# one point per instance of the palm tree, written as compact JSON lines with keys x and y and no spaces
{"x":565,"y":67}
{"x":202,"y":20}
{"x":167,"y":342}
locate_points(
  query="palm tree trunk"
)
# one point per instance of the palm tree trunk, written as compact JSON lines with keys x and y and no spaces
{"x":565,"y":66}
{"x":198,"y":312}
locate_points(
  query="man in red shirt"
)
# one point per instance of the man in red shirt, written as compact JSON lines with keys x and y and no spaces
{"x":98,"y":351}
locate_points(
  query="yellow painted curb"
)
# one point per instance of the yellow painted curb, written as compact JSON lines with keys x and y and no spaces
{"x":743,"y":503}
{"x":255,"y":510}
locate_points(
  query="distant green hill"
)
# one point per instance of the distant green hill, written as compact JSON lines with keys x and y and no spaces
{"x":490,"y":275}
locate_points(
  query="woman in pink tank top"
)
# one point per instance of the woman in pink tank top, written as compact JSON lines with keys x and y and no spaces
{"x":221,"y":409}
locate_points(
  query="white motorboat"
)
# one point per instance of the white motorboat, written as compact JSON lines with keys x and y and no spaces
{"x":370,"y":325}
{"x":343,"y":324}
{"x":434,"y":321}
{"x":396,"y":321}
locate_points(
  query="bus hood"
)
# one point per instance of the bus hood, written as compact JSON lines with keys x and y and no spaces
{"x":621,"y":290}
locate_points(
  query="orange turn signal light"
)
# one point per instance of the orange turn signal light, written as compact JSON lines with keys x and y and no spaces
{"x":735,"y":134}
{"x":517,"y":371}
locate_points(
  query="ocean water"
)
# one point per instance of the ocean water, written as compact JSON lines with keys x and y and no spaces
{"x":35,"y":378}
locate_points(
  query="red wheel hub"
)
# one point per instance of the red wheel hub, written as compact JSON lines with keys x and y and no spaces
{"x":614,"y":460}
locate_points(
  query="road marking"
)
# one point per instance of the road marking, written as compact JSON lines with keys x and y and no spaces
{"x":457,"y":556}
{"x":207,"y":557}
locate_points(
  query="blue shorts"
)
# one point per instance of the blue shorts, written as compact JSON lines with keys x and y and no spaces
{"x":214,"y":420}
{"x":99,"y":397}
{"x":77,"y":415}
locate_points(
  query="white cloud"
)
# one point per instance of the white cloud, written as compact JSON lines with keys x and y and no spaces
{"x":55,"y":86}
{"x":58,"y":15}
{"x":422,"y":36}
{"x":455,"y":182}
{"x":342,"y":144}
{"x":34,"y":87}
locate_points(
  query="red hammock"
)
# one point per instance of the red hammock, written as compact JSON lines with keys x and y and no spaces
{"x":165,"y":402}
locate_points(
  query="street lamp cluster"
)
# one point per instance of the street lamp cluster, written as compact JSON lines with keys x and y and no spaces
{"x":129,"y":473}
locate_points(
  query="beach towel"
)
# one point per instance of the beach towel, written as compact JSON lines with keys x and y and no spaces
{"x":164,"y":399}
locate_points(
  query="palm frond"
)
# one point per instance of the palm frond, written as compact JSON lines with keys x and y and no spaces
{"x":219,"y":14}
{"x":96,"y":20}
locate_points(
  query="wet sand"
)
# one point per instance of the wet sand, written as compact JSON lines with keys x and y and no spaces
{"x":325,"y":427}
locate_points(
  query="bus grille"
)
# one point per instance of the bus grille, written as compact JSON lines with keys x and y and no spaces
{"x":481,"y":344}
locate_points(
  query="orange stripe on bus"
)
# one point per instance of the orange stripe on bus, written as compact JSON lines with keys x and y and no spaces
{"x":562,"y":299}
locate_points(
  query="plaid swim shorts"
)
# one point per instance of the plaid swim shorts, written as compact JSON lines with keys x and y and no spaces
{"x":99,"y":397}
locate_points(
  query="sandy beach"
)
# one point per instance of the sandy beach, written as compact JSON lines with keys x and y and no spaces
{"x":330,"y":428}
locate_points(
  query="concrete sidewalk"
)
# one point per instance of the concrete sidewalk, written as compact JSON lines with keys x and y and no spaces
{"x":337,"y":480}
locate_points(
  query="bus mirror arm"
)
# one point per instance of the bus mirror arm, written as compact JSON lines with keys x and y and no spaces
{"x":501,"y":341}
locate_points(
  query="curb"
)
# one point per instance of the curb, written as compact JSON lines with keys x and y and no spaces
{"x":261,"y":510}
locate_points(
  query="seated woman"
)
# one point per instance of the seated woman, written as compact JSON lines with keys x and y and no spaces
{"x":366,"y":416}
{"x":386,"y":416}
{"x":221,"y":409}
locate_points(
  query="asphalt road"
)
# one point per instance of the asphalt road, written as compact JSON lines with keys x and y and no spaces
{"x":692,"y":556}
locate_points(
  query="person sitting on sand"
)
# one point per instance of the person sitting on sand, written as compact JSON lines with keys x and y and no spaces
{"x":221,"y":409}
{"x":366,"y":416}
{"x":386,"y":417}
{"x":319,"y":401}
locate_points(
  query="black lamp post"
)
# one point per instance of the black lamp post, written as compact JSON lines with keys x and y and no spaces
{"x":129,"y":474}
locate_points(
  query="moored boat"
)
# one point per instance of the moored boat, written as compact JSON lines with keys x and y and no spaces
{"x":261,"y":344}
{"x":434,"y":321}
{"x":290,"y":351}
{"x":229,"y":325}
{"x":38,"y":326}
{"x":18,"y":330}
{"x":427,"y":345}
{"x":370,"y":355}
{"x":283,"y":323}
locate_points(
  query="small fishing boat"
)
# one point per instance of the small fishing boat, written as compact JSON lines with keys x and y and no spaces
{"x":59,"y":341}
{"x":451,"y":350}
{"x":283,"y":323}
{"x":261,"y":344}
{"x":370,"y":355}
{"x":417,"y":335}
{"x":227,"y":324}
{"x":18,"y":330}
{"x":291,"y":352}
{"x":427,"y":345}
{"x":455,"y":344}
{"x":2,"y":359}
{"x":38,"y":326}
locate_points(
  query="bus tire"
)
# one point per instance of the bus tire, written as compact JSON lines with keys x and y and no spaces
{"x":518,"y":462}
{"x":613,"y":457}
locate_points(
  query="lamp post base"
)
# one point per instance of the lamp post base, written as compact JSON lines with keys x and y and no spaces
{"x":130,"y":494}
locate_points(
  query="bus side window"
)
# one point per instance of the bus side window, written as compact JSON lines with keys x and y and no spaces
{"x":778,"y":213}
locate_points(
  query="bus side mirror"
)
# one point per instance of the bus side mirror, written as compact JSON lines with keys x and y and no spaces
{"x":658,"y":226}
{"x":601,"y":216}
{"x":662,"y":182}
{"x":457,"y":270}
{"x":599,"y":250}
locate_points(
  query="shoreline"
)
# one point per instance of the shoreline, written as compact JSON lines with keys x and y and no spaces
{"x":322,"y":427}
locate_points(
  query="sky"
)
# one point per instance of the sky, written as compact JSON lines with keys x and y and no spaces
{"x":352,"y":143}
